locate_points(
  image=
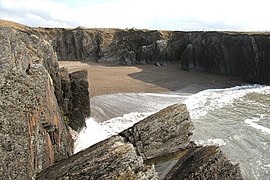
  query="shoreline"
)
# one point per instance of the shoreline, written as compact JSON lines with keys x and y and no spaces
{"x":116,"y":90}
{"x":107,"y":79}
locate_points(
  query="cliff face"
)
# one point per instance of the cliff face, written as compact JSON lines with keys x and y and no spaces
{"x":161,"y":140}
{"x":236,"y":54}
{"x":245,"y":56}
{"x":33,"y":135}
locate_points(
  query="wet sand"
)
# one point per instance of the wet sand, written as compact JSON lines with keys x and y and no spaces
{"x":111,"y":85}
{"x":109,"y":79}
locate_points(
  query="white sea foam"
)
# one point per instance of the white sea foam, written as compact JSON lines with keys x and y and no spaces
{"x":231,"y":134}
{"x":163,"y":95}
{"x":252,"y":123}
{"x":96,"y":132}
{"x":216,"y":142}
{"x":208,"y":100}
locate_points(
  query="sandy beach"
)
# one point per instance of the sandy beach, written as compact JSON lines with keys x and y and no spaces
{"x":110,"y":79}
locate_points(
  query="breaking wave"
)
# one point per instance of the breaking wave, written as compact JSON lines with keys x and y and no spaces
{"x":237,"y":119}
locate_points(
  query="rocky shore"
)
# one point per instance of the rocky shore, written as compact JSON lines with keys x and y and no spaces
{"x":39,"y":101}
{"x":161,"y":138}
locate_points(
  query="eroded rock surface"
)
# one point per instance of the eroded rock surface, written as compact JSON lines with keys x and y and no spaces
{"x":33,"y":135}
{"x":162,"y":133}
{"x":110,"y":159}
{"x":206,"y":162}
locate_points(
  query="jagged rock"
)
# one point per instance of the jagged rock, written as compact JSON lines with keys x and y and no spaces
{"x":31,"y":127}
{"x":242,"y":55}
{"x":110,"y":159}
{"x":165,"y":132}
{"x":32,"y":133}
{"x":159,"y":138}
{"x":204,"y":163}
{"x":79,"y":106}
{"x":75,"y":104}
{"x":214,"y":52}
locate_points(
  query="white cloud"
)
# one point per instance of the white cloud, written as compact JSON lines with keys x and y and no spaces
{"x":153,"y":14}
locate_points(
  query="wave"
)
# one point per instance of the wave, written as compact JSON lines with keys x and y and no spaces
{"x":208,"y":142}
{"x":96,"y":132}
{"x":229,"y":118}
{"x":252,"y":123}
{"x":209,"y":100}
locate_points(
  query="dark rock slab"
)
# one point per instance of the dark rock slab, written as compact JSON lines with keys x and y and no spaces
{"x":110,"y":159}
{"x":79,"y":106}
{"x":165,"y":132}
{"x":75,"y":103}
{"x":206,"y":162}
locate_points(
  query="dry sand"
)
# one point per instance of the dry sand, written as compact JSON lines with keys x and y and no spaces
{"x":109,"y":79}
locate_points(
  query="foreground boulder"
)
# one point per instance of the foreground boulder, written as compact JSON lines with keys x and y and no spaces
{"x":110,"y":159}
{"x":206,"y":162}
{"x":157,"y":140}
{"x":160,"y":134}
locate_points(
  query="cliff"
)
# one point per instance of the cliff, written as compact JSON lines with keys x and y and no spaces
{"x":33,"y":132}
{"x":161,"y":140}
{"x":244,"y":55}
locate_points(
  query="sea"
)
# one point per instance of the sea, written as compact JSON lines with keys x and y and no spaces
{"x":236,"y":118}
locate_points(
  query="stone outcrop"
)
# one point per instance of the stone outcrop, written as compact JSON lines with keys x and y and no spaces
{"x":160,"y":134}
{"x":33,"y":134}
{"x":158,"y":139}
{"x":75,"y":103}
{"x":204,"y":163}
{"x":110,"y":159}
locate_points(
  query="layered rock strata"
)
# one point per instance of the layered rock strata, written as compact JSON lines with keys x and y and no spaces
{"x":33,"y":132}
{"x":160,"y":134}
{"x":206,"y":162}
{"x":110,"y":159}
{"x":160,"y":138}
{"x":34,"y":94}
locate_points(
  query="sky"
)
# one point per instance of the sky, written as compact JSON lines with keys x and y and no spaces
{"x":187,"y":15}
